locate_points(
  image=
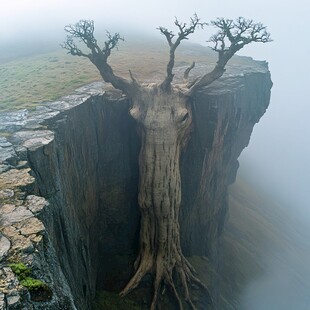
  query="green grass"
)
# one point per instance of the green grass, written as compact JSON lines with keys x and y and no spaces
{"x":39,"y":291}
{"x":21,"y":270}
{"x":27,"y":81}
{"x":23,"y":274}
{"x":32,"y":284}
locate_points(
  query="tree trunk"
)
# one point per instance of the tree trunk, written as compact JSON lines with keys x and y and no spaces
{"x":165,"y":125}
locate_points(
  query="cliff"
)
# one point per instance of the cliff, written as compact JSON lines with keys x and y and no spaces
{"x":69,"y":179}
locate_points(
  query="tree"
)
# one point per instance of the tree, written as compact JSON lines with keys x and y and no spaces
{"x":163,"y":114}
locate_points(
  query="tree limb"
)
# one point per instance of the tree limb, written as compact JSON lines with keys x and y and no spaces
{"x":84,"y":32}
{"x":230,"y":38}
{"x":188,"y":70}
{"x":183,"y":33}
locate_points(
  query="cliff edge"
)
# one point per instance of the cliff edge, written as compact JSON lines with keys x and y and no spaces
{"x":69,"y":181}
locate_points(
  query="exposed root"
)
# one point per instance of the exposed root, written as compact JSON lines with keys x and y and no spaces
{"x":172,"y":286}
{"x":143,"y":269}
{"x":163,"y":275}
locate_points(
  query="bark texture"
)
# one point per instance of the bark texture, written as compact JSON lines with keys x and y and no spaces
{"x":164,"y":121}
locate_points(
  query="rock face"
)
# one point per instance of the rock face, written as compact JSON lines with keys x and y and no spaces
{"x":81,"y":155}
{"x":224,"y":116}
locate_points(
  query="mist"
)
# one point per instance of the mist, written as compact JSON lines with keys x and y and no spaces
{"x":277,"y":159}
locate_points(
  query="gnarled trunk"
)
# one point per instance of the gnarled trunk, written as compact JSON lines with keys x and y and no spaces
{"x":164,"y":119}
{"x":164,"y":124}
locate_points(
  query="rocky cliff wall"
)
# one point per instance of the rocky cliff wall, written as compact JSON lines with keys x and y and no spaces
{"x":224,"y":117}
{"x":81,"y":155}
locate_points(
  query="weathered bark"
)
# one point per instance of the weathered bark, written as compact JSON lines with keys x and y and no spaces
{"x":164,"y":121}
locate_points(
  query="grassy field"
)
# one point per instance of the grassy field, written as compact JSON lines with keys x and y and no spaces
{"x":27,"y":81}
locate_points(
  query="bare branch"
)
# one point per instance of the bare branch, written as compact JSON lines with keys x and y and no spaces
{"x":133,"y":79}
{"x":83,"y":31}
{"x":234,"y":35}
{"x":230,"y":38}
{"x":183,"y":33}
{"x":70,"y":45}
{"x":187,"y":71}
{"x":168,"y":34}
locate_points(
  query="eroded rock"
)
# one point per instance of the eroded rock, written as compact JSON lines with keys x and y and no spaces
{"x":7,"y":152}
{"x":36,"y":204}
{"x":8,"y":281}
{"x":19,"y":242}
{"x":14,"y":178}
{"x":5,"y":245}
{"x":12,"y":214}
{"x":13,"y":300}
{"x":30,"y":226}
{"x":34,"y":139}
{"x":6,"y":193}
{"x":2,"y":301}
{"x":13,"y":121}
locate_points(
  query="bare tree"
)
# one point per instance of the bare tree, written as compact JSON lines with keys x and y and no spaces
{"x":163,"y":112}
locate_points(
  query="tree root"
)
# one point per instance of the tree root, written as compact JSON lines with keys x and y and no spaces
{"x":164,"y":274}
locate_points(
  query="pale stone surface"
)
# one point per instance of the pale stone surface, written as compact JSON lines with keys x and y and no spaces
{"x":7,"y":152}
{"x":21,"y":243}
{"x":12,"y":121}
{"x":7,"y":208}
{"x":34,"y":139}
{"x":36,"y":238}
{"x":15,"y":178}
{"x":2,"y":301}
{"x":12,"y":214}
{"x":30,"y":226}
{"x":4,"y":246}
{"x":36,"y":204}
{"x":68,"y":102}
{"x":18,"y":241}
{"x":9,"y":231}
{"x":93,"y":89}
{"x":22,"y":164}
{"x":37,"y":117}
{"x":6,"y":193}
{"x":8,"y":280}
{"x":13,"y":300}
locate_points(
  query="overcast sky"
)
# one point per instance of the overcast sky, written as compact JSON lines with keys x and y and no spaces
{"x":18,"y":16}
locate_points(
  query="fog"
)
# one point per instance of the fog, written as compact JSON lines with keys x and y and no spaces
{"x":277,"y":159}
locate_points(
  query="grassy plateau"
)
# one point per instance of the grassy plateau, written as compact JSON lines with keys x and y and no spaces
{"x":29,"y":80}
